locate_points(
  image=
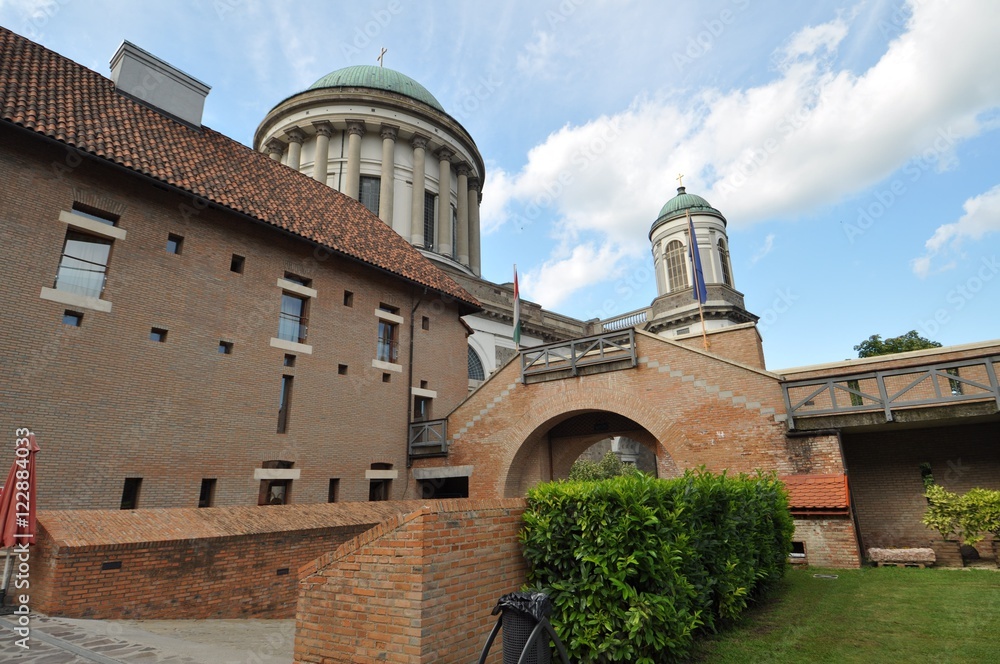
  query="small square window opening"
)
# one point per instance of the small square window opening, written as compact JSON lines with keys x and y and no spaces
{"x":158,"y":334}
{"x":225,"y":348}
{"x":236,"y":264}
{"x":425,"y":323}
{"x":342,"y":369}
{"x":174,"y":243}
{"x":348,"y":298}
{"x":386,"y":377}
{"x":289,"y":360}
{"x":73,"y":318}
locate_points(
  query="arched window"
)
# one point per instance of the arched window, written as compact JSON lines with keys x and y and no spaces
{"x":476,"y":371}
{"x":727,"y":274}
{"x":676,"y":269}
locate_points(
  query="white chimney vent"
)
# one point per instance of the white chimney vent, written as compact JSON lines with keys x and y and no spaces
{"x":152,"y":81}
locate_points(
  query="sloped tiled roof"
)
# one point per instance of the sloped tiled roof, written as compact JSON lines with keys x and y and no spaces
{"x":46,"y":93}
{"x":817,"y":494}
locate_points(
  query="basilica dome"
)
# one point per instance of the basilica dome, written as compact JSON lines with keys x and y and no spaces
{"x":377,"y":78}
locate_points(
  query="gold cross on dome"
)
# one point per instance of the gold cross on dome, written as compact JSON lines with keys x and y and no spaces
{"x":680,"y":180}
{"x":382,"y":55}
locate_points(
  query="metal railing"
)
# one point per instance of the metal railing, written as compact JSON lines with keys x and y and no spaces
{"x":943,"y":383}
{"x":292,"y":328}
{"x":623,"y":321}
{"x":428,"y":438}
{"x":576,"y":353}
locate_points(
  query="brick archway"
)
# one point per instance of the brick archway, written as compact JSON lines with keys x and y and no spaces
{"x":689,"y":407}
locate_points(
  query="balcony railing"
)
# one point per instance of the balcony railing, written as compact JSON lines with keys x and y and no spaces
{"x":570,"y":356}
{"x":429,"y":438}
{"x":945,"y":383}
{"x":81,"y":277}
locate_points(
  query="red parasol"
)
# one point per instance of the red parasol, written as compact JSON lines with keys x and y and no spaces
{"x":17,"y":499}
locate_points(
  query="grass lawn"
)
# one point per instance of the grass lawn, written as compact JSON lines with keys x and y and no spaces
{"x":872,"y":614}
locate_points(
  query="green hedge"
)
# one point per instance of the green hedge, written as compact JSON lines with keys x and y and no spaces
{"x":635,"y":566}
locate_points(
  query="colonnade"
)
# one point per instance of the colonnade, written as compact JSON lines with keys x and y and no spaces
{"x":464,"y":246}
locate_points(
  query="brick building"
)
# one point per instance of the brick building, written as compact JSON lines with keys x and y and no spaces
{"x":188,"y":322}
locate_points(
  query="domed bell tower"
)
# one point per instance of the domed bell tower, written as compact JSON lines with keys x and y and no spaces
{"x":675,"y":310}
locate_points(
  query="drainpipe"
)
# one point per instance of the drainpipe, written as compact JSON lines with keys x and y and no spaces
{"x":409,"y":381}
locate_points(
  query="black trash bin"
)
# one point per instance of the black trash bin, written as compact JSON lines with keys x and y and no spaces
{"x":521,"y":613}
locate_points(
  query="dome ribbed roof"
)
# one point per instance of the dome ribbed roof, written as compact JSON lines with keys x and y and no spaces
{"x":377,"y":78}
{"x":685,"y":201}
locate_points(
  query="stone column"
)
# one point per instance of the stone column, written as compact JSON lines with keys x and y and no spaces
{"x":352,"y":181}
{"x":386,"y":185}
{"x":462,"y":228}
{"x":295,"y":138}
{"x":275,"y":147}
{"x":474,"y":255}
{"x":419,"y":144}
{"x":322,"y":158}
{"x":444,"y":202}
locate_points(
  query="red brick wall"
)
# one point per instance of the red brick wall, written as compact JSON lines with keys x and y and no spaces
{"x":416,"y":589}
{"x":740,"y":343}
{"x":886,"y":485}
{"x":107,"y":403}
{"x":187,"y":563}
{"x":829,"y":541}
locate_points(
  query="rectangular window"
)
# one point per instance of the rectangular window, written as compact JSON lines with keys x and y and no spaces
{"x":174,"y":243}
{"x":236,"y":264}
{"x":369,"y":191}
{"x":289,"y":360}
{"x":388,"y":342}
{"x":429,"y":220}
{"x":94,"y":214}
{"x":84,"y":264}
{"x":348,"y":298}
{"x":425,"y":323}
{"x":158,"y":334}
{"x":342,"y":369}
{"x":274,"y":492}
{"x":130,"y":493}
{"x":454,"y":232}
{"x":421,"y":409}
{"x":292,"y":320}
{"x":206,"y":497}
{"x":334,"y":492}
{"x":72,"y":318}
{"x":285,"y":404}
{"x":378,"y":490}
{"x":225,"y":348}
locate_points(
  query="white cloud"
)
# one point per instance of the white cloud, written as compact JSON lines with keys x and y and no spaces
{"x":982,"y":216}
{"x":808,"y":138}
{"x":557,"y":279}
{"x":536,"y":54}
{"x":815,"y":38}
{"x":764,"y":250}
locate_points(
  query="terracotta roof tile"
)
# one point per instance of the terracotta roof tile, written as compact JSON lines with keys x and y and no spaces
{"x":817,"y":494}
{"x":51,"y":95}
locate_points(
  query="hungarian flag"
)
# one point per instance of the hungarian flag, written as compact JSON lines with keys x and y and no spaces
{"x":517,"y":313}
{"x":699,"y":291}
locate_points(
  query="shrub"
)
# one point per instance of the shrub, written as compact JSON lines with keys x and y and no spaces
{"x":968,"y":517}
{"x":610,"y":466}
{"x":635,"y":566}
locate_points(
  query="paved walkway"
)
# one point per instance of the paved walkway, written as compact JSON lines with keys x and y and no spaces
{"x":72,"y":641}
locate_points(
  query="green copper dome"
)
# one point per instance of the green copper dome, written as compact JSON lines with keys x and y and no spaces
{"x":377,"y":78}
{"x":685,"y":201}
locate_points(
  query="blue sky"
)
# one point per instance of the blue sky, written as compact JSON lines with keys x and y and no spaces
{"x":853,"y":146}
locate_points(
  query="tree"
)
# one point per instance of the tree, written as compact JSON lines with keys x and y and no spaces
{"x":875,"y":345}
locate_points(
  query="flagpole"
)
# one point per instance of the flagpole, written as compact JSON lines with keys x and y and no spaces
{"x":697,"y":285}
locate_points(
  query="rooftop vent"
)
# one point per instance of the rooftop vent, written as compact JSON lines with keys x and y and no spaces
{"x":150,"y":80}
